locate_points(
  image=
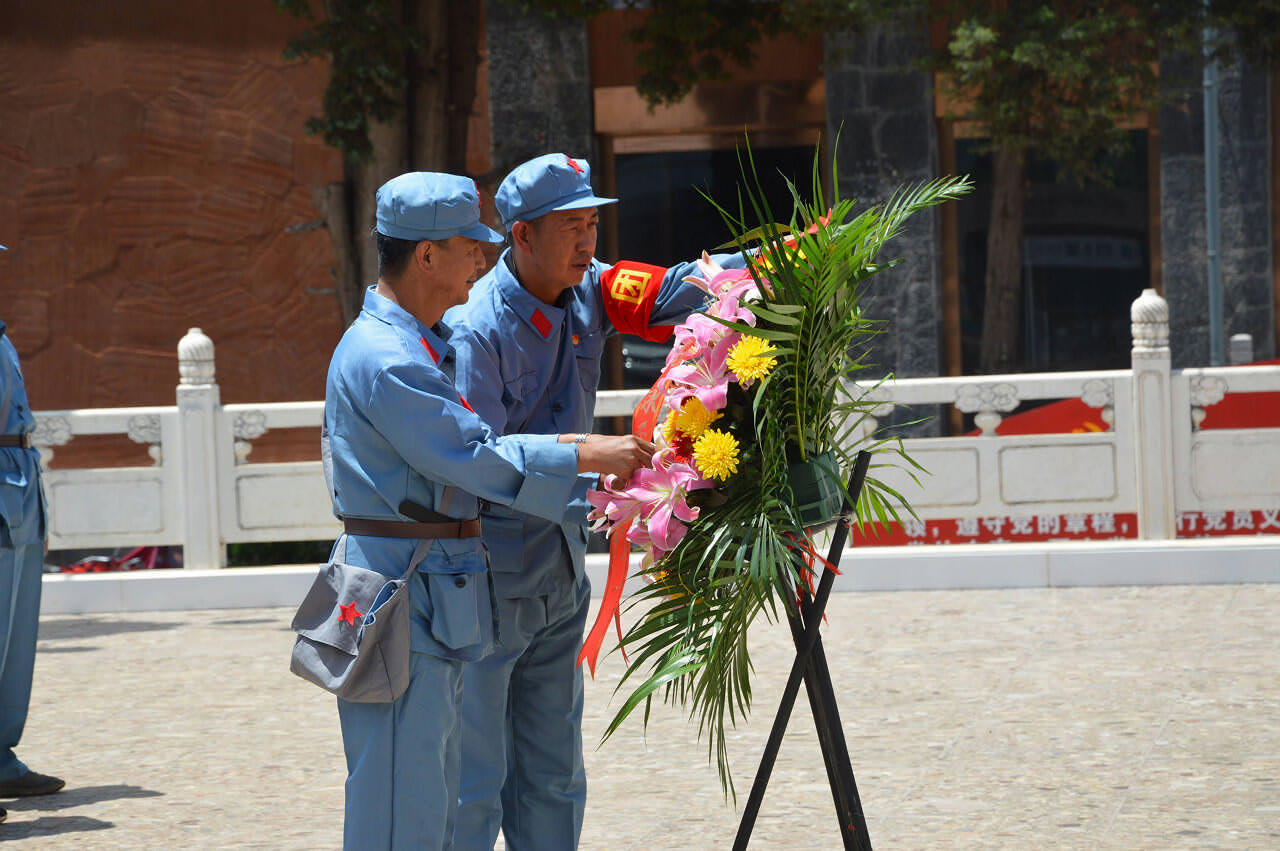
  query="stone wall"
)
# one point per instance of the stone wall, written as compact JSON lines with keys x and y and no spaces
{"x":1244,"y":166}
{"x":882,"y":111}
{"x":539,"y":86}
{"x":156,"y":177}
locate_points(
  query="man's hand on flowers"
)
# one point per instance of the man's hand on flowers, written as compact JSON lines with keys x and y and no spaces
{"x":616,"y":456}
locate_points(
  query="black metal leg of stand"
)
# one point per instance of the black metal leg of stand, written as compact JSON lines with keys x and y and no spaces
{"x":835,"y":751}
{"x":808,"y":640}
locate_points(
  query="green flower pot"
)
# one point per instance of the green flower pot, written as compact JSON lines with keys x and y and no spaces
{"x":817,"y":488}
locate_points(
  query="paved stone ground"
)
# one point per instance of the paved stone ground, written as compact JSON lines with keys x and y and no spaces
{"x":1118,"y":718}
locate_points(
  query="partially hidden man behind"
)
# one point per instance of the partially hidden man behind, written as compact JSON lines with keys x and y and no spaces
{"x":23,"y":527}
{"x":400,"y":441}
{"x":529,"y":343}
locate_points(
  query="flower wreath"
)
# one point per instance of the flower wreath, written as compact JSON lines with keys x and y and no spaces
{"x":757,"y":423}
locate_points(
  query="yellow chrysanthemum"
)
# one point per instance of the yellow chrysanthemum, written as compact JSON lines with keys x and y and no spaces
{"x":750,"y":359}
{"x":669,"y":429}
{"x":693,"y":417}
{"x":716,"y":454}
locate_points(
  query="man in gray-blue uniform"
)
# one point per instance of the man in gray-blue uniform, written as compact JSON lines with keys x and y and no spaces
{"x":22,"y":538}
{"x":529,"y":342}
{"x":407,"y":460}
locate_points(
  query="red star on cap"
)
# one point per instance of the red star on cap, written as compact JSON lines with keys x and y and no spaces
{"x":573,"y":164}
{"x":349,"y":613}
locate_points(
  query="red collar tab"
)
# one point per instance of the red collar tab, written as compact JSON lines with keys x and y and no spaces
{"x":436,"y":359}
{"x":541,"y":322}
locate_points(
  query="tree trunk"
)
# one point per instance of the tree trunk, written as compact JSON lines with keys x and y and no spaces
{"x":430,"y":134}
{"x":1002,"y":311}
{"x":334,"y":203}
{"x":460,"y":93}
{"x":426,"y":121}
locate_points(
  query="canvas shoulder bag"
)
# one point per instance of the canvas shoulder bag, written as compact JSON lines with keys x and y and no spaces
{"x":353,"y":630}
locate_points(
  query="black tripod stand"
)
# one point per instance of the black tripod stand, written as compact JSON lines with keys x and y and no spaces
{"x":811,"y":665}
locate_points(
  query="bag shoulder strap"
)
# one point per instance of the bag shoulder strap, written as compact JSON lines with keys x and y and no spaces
{"x":419,"y":553}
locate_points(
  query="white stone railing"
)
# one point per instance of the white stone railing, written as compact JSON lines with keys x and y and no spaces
{"x":987,"y":475}
{"x":1153,"y":460}
{"x":203,"y":493}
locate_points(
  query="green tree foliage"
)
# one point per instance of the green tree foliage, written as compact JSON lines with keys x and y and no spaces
{"x":1053,"y":77}
{"x":1050,"y":74}
{"x":682,"y":42}
{"x":365,"y":43}
{"x":1056,"y":76}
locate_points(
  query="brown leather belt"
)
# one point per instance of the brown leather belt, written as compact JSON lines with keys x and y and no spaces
{"x":411,"y":529}
{"x":22,"y":441}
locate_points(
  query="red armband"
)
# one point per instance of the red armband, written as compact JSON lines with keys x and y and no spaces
{"x":630,"y":290}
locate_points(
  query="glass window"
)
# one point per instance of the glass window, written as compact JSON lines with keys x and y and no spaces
{"x":663,"y":219}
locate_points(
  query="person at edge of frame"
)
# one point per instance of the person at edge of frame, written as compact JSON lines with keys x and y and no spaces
{"x":529,"y":343}
{"x":23,"y":541}
{"x":406,"y":460}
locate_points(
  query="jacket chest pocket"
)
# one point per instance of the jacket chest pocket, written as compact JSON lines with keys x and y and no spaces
{"x":587,"y":353}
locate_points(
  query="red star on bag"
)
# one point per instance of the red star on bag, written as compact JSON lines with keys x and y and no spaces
{"x":349,"y":613}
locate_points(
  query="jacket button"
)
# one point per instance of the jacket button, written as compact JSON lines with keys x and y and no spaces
{"x":460,"y":581}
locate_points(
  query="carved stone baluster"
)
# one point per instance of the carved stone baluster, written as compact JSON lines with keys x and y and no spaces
{"x":146,"y":429}
{"x":1100,"y":394}
{"x":249,"y":425}
{"x":988,"y":403}
{"x":1207,"y":390}
{"x":50,"y":432}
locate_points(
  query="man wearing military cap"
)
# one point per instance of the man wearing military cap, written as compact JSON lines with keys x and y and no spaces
{"x":529,"y":343}
{"x":23,"y":530}
{"x":403,"y":452}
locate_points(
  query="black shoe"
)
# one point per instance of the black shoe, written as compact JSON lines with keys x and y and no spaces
{"x":31,"y":783}
{"x":4,"y":814}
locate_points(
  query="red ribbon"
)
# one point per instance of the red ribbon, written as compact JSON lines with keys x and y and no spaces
{"x":643,"y":421}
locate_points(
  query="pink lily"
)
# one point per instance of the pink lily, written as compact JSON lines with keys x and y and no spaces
{"x":733,"y":283}
{"x":699,"y":333}
{"x":654,"y":500}
{"x":611,"y":506}
{"x":708,"y":269}
{"x":705,"y":376}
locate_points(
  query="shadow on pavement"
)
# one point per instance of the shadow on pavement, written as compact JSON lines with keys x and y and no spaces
{"x":282,"y":622}
{"x":77,"y":797}
{"x":90,"y":626}
{"x":50,"y":826}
